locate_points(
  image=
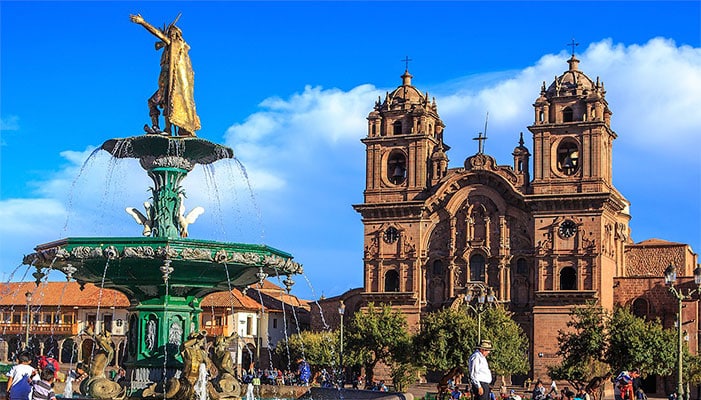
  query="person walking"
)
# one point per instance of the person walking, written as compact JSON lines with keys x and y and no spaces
{"x":480,"y":375}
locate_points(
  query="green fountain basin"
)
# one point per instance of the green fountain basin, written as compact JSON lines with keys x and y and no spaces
{"x":136,"y":265}
{"x":194,"y":149}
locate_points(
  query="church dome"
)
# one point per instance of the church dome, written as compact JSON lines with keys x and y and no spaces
{"x":572,"y":82}
{"x":405,"y":95}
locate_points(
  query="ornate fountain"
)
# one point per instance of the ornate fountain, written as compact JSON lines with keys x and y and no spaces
{"x":164,"y":273}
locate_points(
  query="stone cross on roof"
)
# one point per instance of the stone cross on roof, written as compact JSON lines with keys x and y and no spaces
{"x":573,"y":45}
{"x":406,"y":61}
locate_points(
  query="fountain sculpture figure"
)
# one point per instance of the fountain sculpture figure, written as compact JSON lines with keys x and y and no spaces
{"x":164,"y":273}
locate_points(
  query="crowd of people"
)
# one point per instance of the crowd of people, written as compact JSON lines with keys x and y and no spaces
{"x":32,"y":378}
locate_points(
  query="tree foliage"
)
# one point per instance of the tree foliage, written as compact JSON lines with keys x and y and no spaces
{"x":445,"y":340}
{"x":636,"y":343}
{"x":319,"y":349}
{"x":582,"y":346}
{"x":448,"y":337}
{"x":374,"y":335}
{"x":510,"y":355}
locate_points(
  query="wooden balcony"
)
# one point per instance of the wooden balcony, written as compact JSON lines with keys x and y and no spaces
{"x":38,"y":329}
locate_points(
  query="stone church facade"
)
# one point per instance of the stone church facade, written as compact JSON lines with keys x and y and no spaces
{"x":543,"y":242}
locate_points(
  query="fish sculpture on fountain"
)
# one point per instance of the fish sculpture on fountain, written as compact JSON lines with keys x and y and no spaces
{"x":165,"y":273}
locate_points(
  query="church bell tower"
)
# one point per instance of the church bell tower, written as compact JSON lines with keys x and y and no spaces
{"x":405,"y":157}
{"x":580,"y":219}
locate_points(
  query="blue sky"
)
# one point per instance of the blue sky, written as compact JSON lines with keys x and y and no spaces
{"x":288,"y":86}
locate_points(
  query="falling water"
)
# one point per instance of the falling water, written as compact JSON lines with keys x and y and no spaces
{"x":99,"y":298}
{"x":284,"y":324}
{"x":321,"y":312}
{"x":73,"y":185}
{"x":211,"y":182}
{"x":201,"y":384}
{"x":68,"y":389}
{"x":260,"y":330}
{"x":249,"y":392}
{"x":243,"y":172}
{"x":58,"y":308}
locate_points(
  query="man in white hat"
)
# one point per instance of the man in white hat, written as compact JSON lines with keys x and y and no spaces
{"x":480,"y":375}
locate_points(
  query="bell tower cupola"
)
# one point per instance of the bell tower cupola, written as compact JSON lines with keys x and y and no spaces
{"x":405,"y":149}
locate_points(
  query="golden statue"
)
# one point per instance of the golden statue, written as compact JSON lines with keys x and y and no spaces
{"x":175,"y":94}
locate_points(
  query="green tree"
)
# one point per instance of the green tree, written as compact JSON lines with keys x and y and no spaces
{"x":445,"y":339}
{"x":317,"y":348}
{"x":634,"y":342}
{"x":582,"y":346}
{"x":448,"y":337}
{"x":509,"y":341}
{"x":374,"y":335}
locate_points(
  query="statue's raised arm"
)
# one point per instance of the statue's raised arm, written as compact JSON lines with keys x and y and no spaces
{"x":138,"y":19}
{"x":175,"y":94}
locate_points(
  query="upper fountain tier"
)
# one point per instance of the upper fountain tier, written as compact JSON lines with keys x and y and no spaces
{"x":167,"y":151}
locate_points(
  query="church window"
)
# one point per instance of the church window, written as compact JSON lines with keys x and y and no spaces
{"x":397,"y":128}
{"x":521,"y":266}
{"x":541,"y":116}
{"x":640,"y":308}
{"x":520,"y":166}
{"x":477,"y":263}
{"x":391,"y":281}
{"x":437,"y":267}
{"x":374,"y":130}
{"x":568,"y":157}
{"x":567,"y":115}
{"x":396,"y":167}
{"x":568,"y":279}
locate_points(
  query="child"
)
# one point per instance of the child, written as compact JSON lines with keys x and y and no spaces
{"x":43,"y":389}
{"x":18,"y":386}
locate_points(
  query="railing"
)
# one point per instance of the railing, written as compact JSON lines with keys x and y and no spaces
{"x":38,"y":329}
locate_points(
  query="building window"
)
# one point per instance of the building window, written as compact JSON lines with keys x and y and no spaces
{"x":477,"y":263}
{"x":568,"y":279}
{"x":274,"y":323}
{"x":640,"y":308}
{"x":521,"y":266}
{"x":391,"y":281}
{"x":437,"y":267}
{"x":567,"y":115}
{"x":397,"y":128}
{"x":249,"y":326}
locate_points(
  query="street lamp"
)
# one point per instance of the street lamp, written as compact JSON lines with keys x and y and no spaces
{"x":670,"y":277}
{"x":28,"y":295}
{"x":485,"y":297}
{"x":341,"y":311}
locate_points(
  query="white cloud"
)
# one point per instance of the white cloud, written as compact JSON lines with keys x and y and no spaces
{"x":290,"y":132}
{"x":9,"y":123}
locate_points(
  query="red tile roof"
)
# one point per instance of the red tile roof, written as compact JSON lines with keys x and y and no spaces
{"x":236,"y":300}
{"x":62,"y":294}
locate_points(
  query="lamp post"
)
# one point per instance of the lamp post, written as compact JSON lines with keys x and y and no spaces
{"x":670,"y":277}
{"x":485,"y":297}
{"x":341,"y":311}
{"x":28,"y":295}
